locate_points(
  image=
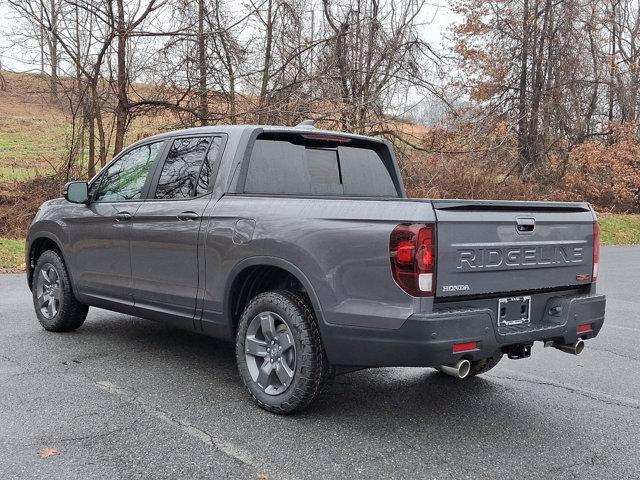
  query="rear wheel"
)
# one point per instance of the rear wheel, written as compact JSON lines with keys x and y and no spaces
{"x":279,"y":352}
{"x":56,"y":307}
{"x":479,"y":367}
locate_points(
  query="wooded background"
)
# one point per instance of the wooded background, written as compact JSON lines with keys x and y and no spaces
{"x":533,"y":99}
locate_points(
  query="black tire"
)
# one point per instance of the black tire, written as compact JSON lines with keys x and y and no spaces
{"x":311,"y":371}
{"x":479,"y":367}
{"x":67,"y":314}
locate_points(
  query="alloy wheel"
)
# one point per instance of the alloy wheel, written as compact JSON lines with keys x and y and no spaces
{"x":270,"y":353}
{"x":48,"y":291}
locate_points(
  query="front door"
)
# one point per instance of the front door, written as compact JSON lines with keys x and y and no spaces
{"x":100,"y":233}
{"x":166,"y":242}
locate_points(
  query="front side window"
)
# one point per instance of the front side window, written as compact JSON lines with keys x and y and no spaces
{"x":125,"y":178}
{"x":181,"y":169}
{"x":95,"y":185}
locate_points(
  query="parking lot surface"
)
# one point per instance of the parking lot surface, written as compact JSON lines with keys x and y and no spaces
{"x":124,"y":397}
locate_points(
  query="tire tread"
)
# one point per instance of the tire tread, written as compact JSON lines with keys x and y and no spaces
{"x":315,"y":371}
{"x":72,"y":313}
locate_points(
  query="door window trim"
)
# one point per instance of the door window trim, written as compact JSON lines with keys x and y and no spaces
{"x":150,"y":194}
{"x":145,"y":187}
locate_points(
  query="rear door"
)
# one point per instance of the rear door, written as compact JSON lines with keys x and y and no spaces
{"x":489,"y":247}
{"x":165,"y":236}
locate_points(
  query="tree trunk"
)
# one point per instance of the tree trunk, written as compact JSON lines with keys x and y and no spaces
{"x":340,"y":32}
{"x":53,"y":52}
{"x":537,"y":88}
{"x":91,"y":166}
{"x":262,"y":104}
{"x":97,"y":115}
{"x":232,"y":97}
{"x":202,"y":66}
{"x":121,"y":80}
{"x":41,"y":39}
{"x":612,"y":60}
{"x":522,"y":94}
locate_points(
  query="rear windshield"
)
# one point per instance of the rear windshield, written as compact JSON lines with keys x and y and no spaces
{"x":297,"y":167}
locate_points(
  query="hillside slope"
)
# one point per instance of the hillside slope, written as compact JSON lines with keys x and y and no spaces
{"x":34,"y":131}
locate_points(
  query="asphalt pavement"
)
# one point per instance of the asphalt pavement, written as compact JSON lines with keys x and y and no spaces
{"x":128,"y":398}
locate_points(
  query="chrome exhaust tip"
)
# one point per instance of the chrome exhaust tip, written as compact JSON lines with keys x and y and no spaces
{"x":575,"y":349}
{"x":460,"y":369}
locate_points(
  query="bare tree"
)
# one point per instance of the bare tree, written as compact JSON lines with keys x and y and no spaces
{"x":375,"y":53}
{"x":125,"y":26}
{"x":537,"y":64}
{"x":208,"y":61}
{"x":84,"y":37}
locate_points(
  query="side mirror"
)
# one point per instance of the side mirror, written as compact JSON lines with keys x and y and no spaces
{"x":76,"y":192}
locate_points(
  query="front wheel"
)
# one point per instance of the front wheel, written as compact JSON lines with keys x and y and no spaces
{"x":279,"y":352}
{"x":56,"y":306}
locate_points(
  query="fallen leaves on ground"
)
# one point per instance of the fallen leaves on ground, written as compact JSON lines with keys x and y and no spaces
{"x":48,"y":452}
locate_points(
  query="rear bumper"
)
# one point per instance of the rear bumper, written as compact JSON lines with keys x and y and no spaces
{"x":427,"y":339}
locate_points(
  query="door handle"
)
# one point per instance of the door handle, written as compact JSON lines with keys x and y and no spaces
{"x":123,"y":216}
{"x":184,"y":216}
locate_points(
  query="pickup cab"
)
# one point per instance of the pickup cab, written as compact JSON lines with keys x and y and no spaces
{"x":301,"y":246}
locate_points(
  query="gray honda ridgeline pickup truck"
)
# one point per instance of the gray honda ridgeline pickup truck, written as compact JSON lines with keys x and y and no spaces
{"x":300,"y":246}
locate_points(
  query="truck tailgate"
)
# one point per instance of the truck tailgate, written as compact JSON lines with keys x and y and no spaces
{"x":486,"y":247}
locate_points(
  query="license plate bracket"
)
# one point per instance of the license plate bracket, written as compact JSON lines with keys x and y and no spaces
{"x":514,"y":311}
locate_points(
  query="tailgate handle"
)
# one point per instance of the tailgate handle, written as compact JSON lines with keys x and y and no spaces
{"x":525,"y":225}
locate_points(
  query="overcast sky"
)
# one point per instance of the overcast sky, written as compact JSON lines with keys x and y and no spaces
{"x":437,"y":17}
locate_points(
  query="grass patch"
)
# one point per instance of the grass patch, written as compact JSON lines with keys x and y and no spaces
{"x":619,"y":229}
{"x":11,"y":253}
{"x":19,"y":174}
{"x":25,"y":142}
{"x":35,"y":132}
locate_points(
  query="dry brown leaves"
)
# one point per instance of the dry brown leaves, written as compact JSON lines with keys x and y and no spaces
{"x":48,"y":452}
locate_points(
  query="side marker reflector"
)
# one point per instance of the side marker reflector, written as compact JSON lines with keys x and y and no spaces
{"x":584,"y":328}
{"x":465,"y":347}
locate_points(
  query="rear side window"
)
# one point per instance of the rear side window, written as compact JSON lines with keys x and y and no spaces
{"x":181,"y":172}
{"x":209,"y":167}
{"x":284,"y":167}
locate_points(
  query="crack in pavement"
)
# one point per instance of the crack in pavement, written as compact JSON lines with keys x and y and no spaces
{"x":619,"y":401}
{"x":95,"y":436}
{"x":11,"y":360}
{"x":231,"y":450}
{"x":614,"y":353}
{"x":620,"y":327}
{"x":569,"y":468}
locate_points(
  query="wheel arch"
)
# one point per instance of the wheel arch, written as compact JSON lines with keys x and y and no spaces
{"x":37,"y":246}
{"x":241,"y":274}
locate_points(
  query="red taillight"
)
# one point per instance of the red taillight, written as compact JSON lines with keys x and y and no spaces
{"x":465,"y":347}
{"x":584,"y":328}
{"x":412,"y":254}
{"x":424,"y":256}
{"x":596,"y":252}
{"x":405,"y":253}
